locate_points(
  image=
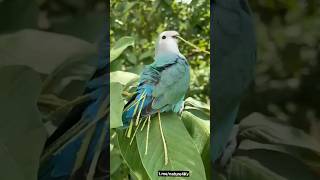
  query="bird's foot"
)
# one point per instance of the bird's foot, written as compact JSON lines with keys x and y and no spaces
{"x":181,"y":107}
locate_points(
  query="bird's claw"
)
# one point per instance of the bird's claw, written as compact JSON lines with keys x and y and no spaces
{"x":181,"y":108}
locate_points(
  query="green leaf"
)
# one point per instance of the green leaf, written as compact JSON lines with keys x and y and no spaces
{"x":261,"y":132}
{"x":146,"y":54}
{"x":115,"y":161}
{"x":265,"y":130}
{"x":182,"y":156}
{"x":206,"y":158}
{"x":116,"y":106}
{"x":132,"y":58}
{"x":22,"y":134}
{"x":116,"y":65}
{"x":197,"y":104}
{"x":68,"y":79}
{"x":18,"y":14}
{"x":120,"y":46}
{"x":309,"y":157}
{"x":43,"y":51}
{"x":250,"y":169}
{"x":198,"y":129}
{"x":67,"y":82}
{"x":131,"y":156}
{"x":264,"y":161}
{"x":123,"y":77}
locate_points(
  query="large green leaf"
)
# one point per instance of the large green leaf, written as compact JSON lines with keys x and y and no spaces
{"x":182,"y":152}
{"x":266,"y":162}
{"x":43,"y":51}
{"x":68,"y":79}
{"x":22,"y":134}
{"x":197,"y":104}
{"x":250,"y":169}
{"x":116,"y":106}
{"x":64,"y":85}
{"x":206,"y":158}
{"x":122,"y":77}
{"x":115,"y":153}
{"x":265,"y":130}
{"x":120,"y":46}
{"x":18,"y":14}
{"x":131,"y":156}
{"x":198,"y":129}
{"x":260,"y":132}
{"x":309,"y":157}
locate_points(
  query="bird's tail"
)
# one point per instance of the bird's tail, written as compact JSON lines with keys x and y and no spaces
{"x":139,"y":106}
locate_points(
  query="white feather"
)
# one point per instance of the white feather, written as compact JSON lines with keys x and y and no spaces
{"x":168,"y":44}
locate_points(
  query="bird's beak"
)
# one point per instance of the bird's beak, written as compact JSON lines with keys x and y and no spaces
{"x":176,"y":35}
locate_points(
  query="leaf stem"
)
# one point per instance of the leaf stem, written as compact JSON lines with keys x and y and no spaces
{"x":144,"y":123}
{"x":164,"y":142}
{"x":194,"y":46}
{"x":135,"y":132}
{"x":130,"y":129}
{"x":138,"y":116}
{"x":147,"y":139}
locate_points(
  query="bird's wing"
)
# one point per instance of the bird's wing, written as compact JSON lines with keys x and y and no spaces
{"x":173,"y":82}
{"x":162,"y":83}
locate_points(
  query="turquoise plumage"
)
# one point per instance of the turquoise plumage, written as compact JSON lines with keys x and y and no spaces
{"x":163,"y":84}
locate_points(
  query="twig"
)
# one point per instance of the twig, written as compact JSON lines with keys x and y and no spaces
{"x":194,"y":46}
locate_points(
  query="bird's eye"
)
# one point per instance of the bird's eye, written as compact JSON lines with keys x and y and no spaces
{"x":163,"y":37}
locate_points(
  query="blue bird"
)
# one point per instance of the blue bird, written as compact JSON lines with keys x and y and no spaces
{"x":163,"y":84}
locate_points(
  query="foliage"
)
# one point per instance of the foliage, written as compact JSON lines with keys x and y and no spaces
{"x":287,"y":69}
{"x":20,"y":123}
{"x":45,"y":65}
{"x":283,"y":143}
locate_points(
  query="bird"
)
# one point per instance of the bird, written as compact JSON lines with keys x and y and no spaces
{"x":162,"y":85}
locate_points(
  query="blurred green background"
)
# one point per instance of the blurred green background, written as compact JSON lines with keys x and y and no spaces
{"x":277,"y":132}
{"x":288,"y":70}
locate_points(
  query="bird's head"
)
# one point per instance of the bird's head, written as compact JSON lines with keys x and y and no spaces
{"x":167,"y":43}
